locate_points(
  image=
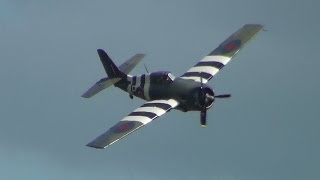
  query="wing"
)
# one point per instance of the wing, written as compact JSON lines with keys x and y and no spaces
{"x":218,"y":58}
{"x":135,"y":120}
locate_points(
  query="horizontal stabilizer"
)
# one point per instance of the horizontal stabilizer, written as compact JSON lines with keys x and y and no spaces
{"x":99,"y":86}
{"x":127,"y":66}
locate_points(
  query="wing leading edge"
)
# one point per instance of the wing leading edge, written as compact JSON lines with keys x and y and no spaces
{"x":135,"y":120}
{"x":218,"y":58}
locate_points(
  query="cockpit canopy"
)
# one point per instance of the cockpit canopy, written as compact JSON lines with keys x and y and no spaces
{"x":162,"y":77}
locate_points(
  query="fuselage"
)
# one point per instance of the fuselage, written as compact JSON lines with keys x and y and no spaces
{"x":163,"y":85}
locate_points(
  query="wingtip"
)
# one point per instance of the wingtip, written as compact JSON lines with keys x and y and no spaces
{"x":85,"y":95}
{"x":94,"y":146}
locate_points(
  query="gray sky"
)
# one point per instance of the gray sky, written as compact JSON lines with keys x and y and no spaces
{"x":267,"y":130}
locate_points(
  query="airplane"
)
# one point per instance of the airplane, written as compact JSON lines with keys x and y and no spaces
{"x":162,"y":90}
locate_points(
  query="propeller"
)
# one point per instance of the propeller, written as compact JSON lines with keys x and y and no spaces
{"x":208,"y":98}
{"x":203,"y":118}
{"x":223,"y":96}
{"x":203,"y":113}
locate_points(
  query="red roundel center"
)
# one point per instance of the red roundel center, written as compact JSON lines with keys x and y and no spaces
{"x":232,"y":46}
{"x":123,"y":127}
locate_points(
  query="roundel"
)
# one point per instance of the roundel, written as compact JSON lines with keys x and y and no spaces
{"x":126,"y":126}
{"x":231,"y":46}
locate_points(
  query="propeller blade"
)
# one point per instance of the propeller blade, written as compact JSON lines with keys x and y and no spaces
{"x":223,"y":96}
{"x":203,"y":118}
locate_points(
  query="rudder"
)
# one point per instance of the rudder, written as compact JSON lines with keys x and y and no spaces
{"x":111,"y":69}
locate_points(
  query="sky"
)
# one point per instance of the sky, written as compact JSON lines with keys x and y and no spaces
{"x":267,"y":130}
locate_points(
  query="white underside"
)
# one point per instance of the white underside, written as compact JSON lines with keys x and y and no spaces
{"x":222,"y":59}
{"x":142,"y":119}
{"x":158,"y":111}
{"x":207,"y":69}
{"x":195,"y":78}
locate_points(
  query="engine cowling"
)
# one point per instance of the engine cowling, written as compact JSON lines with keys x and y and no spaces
{"x":205,"y":98}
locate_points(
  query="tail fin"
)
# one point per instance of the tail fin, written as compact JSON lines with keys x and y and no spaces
{"x":115,"y":74}
{"x":111,"y":69}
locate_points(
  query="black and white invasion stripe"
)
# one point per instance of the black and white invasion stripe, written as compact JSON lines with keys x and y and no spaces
{"x":151,"y":110}
{"x":139,"y":82}
{"x":206,"y":68}
{"x":146,"y":87}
